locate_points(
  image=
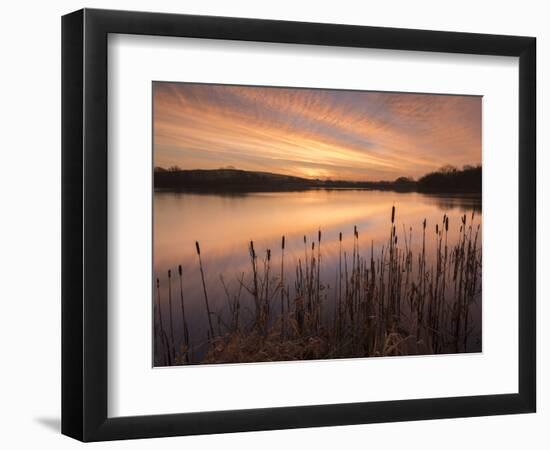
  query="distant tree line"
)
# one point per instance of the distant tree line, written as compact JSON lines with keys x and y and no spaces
{"x":446,"y":179}
{"x":451,"y":179}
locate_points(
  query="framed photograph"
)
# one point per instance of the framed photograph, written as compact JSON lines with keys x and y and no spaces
{"x":273,"y":224}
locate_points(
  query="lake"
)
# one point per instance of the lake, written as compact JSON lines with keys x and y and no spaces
{"x":224,"y":226}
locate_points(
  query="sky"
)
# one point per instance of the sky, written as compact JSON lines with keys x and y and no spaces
{"x":313,"y":133}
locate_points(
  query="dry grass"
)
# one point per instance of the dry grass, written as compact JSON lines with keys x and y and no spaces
{"x":393,"y":304}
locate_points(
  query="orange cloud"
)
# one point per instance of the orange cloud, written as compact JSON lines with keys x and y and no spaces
{"x":352,"y":135}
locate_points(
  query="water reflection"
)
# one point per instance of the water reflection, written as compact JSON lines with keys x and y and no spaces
{"x":225,"y":224}
{"x":462,"y":202}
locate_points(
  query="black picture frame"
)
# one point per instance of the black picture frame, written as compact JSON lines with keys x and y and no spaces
{"x":84,"y":224}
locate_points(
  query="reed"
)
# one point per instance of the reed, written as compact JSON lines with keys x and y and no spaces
{"x":172,"y":341}
{"x":208,"y":312}
{"x":369,"y":317}
{"x":161,"y":325}
{"x":255,"y":292}
{"x":339,"y":282}
{"x":318,"y":294}
{"x":282,"y":287}
{"x":183,"y":318}
{"x":266,"y":305}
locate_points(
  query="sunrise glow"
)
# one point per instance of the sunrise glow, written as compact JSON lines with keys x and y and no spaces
{"x":312,"y":133}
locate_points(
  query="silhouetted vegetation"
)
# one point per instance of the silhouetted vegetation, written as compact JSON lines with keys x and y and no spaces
{"x":447,"y":179}
{"x":451,"y":179}
{"x":228,"y":180}
{"x":401,"y":302}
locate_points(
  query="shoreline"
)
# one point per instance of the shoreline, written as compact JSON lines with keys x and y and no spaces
{"x":258,"y":189}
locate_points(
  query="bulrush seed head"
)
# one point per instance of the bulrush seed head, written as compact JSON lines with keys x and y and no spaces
{"x":179,"y":269}
{"x":169,"y":273}
{"x":283,"y":242}
{"x":392,"y":213}
{"x":340,"y":236}
{"x":198,"y":247}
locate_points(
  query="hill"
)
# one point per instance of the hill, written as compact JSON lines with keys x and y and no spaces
{"x":228,"y":179}
{"x":447,"y":179}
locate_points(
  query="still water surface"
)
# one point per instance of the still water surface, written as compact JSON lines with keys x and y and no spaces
{"x":224,"y":225}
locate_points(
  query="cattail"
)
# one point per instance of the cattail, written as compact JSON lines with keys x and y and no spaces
{"x":185,"y":327}
{"x":265,"y":307}
{"x":170,"y":306}
{"x":208,"y":313}
{"x":256,"y":291}
{"x":340,"y":282}
{"x":305,"y":254}
{"x":160,"y":309}
{"x":282,"y":288}
{"x":369,"y":311}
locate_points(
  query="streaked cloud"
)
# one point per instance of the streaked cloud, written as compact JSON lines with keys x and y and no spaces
{"x":351,"y":135}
